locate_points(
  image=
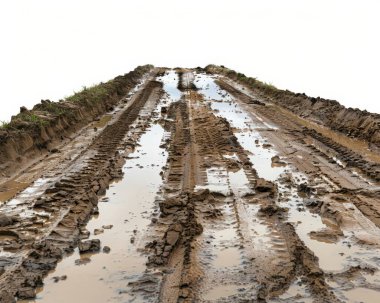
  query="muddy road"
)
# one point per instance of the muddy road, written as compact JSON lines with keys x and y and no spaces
{"x":194,"y":187}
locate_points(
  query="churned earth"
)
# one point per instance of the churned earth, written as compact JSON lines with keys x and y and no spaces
{"x":195,"y":185}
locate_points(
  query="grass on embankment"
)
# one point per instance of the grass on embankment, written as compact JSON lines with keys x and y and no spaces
{"x":45,"y":112}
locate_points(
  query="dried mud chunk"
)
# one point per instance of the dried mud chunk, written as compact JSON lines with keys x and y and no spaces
{"x":200,"y":195}
{"x":270,"y":210}
{"x":146,"y":283}
{"x":263,"y":185}
{"x":89,"y":246}
{"x":43,"y":264}
{"x":172,"y":237}
{"x":26,"y":293}
{"x":98,"y":231}
{"x":326,"y":235}
{"x":6,"y":220}
{"x":305,"y":189}
{"x":82,"y":261}
{"x":276,"y":161}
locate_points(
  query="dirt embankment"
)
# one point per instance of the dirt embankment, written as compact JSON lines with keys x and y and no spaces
{"x":42,"y":129}
{"x":352,"y":122}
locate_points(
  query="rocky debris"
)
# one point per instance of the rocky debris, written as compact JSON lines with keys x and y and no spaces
{"x":89,"y":246}
{"x":106,"y":249}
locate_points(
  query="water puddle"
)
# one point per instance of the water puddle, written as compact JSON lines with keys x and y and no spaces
{"x":245,"y":125}
{"x":295,"y":294}
{"x":170,"y":80}
{"x":128,"y":208}
{"x":217,"y":181}
{"x":124,"y":217}
{"x":337,"y":252}
{"x":221,"y":291}
{"x":208,"y":88}
{"x":103,"y":121}
{"x":362,"y":295}
{"x":9,"y":189}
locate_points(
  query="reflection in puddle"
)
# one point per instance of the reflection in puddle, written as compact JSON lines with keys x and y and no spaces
{"x":221,"y":291}
{"x":245,"y":126}
{"x":335,"y":254}
{"x":340,"y":255}
{"x":295,"y":294}
{"x":10,"y":189}
{"x":128,"y":210}
{"x":363,"y":295}
{"x":227,"y":257}
{"x":170,"y":80}
{"x":217,"y":181}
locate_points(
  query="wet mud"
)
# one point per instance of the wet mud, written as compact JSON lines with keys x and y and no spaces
{"x":195,"y":188}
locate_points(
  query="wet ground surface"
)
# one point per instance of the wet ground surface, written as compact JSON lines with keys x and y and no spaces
{"x":205,"y":193}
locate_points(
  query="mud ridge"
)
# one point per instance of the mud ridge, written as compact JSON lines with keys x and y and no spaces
{"x":352,"y":122}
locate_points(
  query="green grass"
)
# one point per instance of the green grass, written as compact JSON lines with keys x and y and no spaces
{"x":93,"y":94}
{"x":35,"y":118}
{"x":5,"y":125}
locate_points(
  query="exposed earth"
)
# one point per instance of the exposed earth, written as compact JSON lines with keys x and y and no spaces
{"x":190,"y":185}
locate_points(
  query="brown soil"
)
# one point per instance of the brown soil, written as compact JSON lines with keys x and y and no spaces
{"x":254,"y":205}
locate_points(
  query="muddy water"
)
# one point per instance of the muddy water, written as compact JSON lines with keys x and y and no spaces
{"x":170,"y":80}
{"x":223,"y":259}
{"x":128,"y":208}
{"x":245,"y":124}
{"x":124,"y":216}
{"x":347,"y":251}
{"x":335,"y":257}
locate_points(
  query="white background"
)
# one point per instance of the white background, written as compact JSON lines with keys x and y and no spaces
{"x":328,"y":48}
